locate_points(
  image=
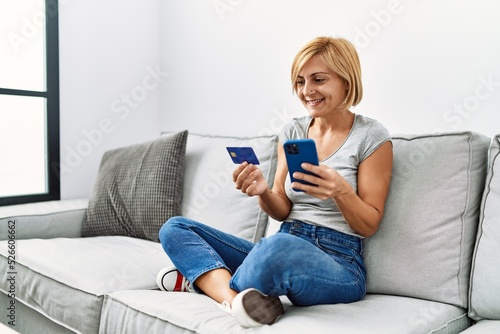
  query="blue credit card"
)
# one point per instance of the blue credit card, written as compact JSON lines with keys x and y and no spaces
{"x":242,"y":154}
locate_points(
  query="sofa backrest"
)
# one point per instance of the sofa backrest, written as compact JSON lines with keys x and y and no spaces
{"x":424,"y":245}
{"x":485,"y":277}
{"x":210,"y":195}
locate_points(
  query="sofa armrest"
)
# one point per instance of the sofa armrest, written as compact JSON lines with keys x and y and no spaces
{"x":44,"y":220}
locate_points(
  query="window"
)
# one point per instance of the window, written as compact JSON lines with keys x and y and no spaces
{"x":29,"y":101}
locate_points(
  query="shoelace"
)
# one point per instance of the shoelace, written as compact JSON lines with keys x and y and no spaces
{"x":225,"y":306}
{"x":186,"y":285}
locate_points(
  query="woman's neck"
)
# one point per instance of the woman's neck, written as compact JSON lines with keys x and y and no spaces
{"x":336,"y":122}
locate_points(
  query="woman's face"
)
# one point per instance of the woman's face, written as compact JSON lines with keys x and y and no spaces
{"x":320,"y":89}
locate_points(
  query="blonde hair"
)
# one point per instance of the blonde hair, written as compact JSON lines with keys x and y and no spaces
{"x":340,"y":56}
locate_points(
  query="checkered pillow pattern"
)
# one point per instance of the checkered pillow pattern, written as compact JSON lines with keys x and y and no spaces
{"x":137,"y":189}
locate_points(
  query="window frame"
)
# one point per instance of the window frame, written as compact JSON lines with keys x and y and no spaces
{"x":51,"y":94}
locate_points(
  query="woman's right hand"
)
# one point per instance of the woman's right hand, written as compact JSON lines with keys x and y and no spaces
{"x":249,"y":179}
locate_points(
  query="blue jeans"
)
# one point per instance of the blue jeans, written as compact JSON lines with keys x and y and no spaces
{"x":309,"y":264}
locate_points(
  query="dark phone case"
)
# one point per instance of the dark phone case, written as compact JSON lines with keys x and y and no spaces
{"x":298,"y":151}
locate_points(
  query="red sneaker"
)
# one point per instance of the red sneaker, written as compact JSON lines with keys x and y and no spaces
{"x":170,"y":279}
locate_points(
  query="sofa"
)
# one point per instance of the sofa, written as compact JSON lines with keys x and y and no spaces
{"x":432,"y":267}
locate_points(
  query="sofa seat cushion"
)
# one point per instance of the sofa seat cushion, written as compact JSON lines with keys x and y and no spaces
{"x":485,"y":282}
{"x":176,"y":312}
{"x":65,"y":279}
{"x":424,"y":245}
{"x":484,"y":327}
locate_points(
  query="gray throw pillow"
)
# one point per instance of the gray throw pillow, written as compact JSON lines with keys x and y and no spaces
{"x":137,"y":189}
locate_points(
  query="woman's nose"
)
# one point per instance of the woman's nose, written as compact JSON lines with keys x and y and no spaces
{"x":307,"y":88}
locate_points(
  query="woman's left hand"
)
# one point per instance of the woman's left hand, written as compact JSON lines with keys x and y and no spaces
{"x":327,"y":182}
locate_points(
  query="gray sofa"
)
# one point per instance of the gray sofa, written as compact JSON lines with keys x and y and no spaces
{"x":432,"y":267}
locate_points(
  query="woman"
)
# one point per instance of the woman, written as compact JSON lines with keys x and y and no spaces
{"x":316,"y":257}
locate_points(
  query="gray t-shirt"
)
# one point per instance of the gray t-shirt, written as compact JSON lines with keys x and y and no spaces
{"x":365,"y":137}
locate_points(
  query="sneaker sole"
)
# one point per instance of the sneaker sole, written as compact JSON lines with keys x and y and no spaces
{"x":252,"y":308}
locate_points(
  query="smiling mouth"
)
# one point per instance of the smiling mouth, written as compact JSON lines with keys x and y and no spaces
{"x":314,"y":102}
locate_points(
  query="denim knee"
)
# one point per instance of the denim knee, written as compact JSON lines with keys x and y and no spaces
{"x":276,"y":252}
{"x":169,"y":228}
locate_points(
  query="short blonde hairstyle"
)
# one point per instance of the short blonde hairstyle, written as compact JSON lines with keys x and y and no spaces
{"x":341,"y":57}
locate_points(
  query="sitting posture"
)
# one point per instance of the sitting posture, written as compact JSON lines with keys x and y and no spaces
{"x":316,"y":257}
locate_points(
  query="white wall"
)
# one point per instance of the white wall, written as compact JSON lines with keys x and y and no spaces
{"x":109,"y":98}
{"x":425,"y":63}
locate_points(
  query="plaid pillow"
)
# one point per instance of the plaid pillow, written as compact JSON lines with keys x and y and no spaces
{"x":137,"y":189}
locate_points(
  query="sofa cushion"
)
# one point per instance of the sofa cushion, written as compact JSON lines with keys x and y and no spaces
{"x":65,"y":279}
{"x":424,"y":245}
{"x":485,"y":282}
{"x":210,"y":195}
{"x":484,"y":327}
{"x":177,"y":312}
{"x":137,"y":189}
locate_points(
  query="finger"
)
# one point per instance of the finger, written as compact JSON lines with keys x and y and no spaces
{"x":310,"y":190}
{"x":315,"y":169}
{"x":251,"y":189}
{"x":315,"y":191}
{"x":250,"y":179}
{"x":298,"y":186}
{"x":307,"y":177}
{"x":242,"y":177}
{"x":242,"y":173}
{"x":238,"y":170}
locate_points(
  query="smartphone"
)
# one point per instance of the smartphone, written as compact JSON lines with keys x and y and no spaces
{"x":242,"y":154}
{"x":298,"y":151}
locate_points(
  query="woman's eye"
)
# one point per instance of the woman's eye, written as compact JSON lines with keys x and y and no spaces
{"x":319,"y":80}
{"x":300,"y":82}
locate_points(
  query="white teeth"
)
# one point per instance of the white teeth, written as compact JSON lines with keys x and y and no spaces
{"x":314,"y":101}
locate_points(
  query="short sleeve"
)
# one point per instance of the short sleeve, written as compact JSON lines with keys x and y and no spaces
{"x":376,"y":136}
{"x":295,"y":129}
